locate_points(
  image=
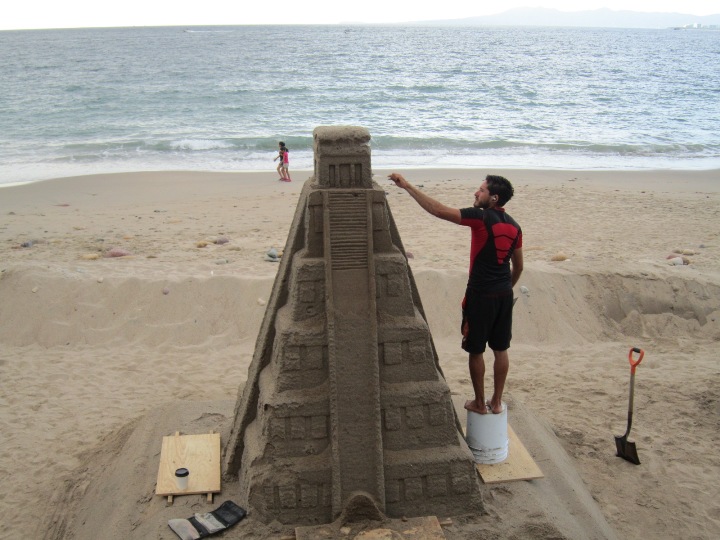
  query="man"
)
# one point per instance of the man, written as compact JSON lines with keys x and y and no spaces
{"x":496,"y":263}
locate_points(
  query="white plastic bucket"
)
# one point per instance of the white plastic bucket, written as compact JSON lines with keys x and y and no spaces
{"x":487,"y":436}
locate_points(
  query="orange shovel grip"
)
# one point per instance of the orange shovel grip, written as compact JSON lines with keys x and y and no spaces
{"x":636,"y":363}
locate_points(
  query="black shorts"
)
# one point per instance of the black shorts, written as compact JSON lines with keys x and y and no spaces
{"x":487,"y":319}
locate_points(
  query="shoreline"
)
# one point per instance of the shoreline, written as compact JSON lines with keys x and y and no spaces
{"x":704,"y":176}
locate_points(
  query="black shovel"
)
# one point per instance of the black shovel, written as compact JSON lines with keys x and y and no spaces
{"x":625,"y":448}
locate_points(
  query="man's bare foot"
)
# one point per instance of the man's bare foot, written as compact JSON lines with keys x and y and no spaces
{"x":495,"y":406}
{"x":477,"y":406}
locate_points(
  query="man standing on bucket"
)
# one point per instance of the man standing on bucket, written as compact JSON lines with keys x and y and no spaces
{"x":496,"y":263}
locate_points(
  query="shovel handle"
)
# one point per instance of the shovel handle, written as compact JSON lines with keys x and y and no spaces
{"x":636,"y":363}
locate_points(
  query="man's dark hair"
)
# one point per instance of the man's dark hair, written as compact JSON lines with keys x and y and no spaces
{"x":500,"y":186}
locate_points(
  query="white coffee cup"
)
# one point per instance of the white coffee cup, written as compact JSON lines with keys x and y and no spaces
{"x":181,"y":478}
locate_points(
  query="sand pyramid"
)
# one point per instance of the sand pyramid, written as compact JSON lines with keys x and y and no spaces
{"x":344,"y":394}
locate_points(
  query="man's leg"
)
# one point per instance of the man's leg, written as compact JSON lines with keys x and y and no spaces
{"x":477,"y":376}
{"x":500,"y":371}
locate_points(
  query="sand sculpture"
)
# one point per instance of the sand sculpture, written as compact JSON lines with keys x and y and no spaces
{"x":345,"y":396}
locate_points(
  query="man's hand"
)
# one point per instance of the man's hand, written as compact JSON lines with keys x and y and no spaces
{"x":428,"y":204}
{"x":399,"y":180}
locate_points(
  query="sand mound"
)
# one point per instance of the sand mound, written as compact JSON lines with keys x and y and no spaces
{"x":562,"y":307}
{"x":212,"y":313}
{"x":75,"y":309}
{"x":112,"y":494}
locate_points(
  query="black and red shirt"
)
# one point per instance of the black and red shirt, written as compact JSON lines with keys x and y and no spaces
{"x":495,"y":235}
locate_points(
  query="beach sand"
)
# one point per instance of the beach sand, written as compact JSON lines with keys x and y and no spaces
{"x":102,"y":356}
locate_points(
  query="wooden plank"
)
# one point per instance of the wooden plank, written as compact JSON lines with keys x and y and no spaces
{"x":519,"y":464}
{"x":419,"y":528}
{"x":200,"y":454}
{"x":422,"y":528}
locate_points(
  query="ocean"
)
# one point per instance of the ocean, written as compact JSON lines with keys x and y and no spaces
{"x":85,"y":101}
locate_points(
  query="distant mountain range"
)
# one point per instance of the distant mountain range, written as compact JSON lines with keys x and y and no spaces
{"x":606,"y":18}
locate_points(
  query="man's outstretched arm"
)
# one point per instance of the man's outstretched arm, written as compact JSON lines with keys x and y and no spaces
{"x":430,"y":205}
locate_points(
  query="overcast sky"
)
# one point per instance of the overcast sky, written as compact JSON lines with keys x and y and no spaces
{"x":25,"y":14}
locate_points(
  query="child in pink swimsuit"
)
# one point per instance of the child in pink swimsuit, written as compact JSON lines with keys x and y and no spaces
{"x":282,"y":167}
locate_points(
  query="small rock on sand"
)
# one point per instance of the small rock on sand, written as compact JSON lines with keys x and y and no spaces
{"x":117,"y":252}
{"x":560,"y":256}
{"x":272,"y":255}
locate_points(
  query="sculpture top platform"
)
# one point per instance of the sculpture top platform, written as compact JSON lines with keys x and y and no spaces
{"x":342,"y":157}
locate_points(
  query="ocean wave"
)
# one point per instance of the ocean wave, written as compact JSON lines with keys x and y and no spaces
{"x":588,"y":147}
{"x":195,"y":145}
{"x":413,"y":147}
{"x":40,"y":167}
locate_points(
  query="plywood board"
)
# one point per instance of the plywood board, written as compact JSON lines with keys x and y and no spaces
{"x":519,"y":464}
{"x":200,"y":454}
{"x":419,"y":528}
